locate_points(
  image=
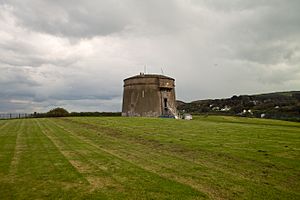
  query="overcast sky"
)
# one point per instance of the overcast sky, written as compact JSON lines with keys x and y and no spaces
{"x":76,"y":53}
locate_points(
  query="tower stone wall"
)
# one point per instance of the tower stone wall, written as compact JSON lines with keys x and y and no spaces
{"x":149,"y":95}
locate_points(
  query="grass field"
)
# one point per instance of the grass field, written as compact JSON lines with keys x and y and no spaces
{"x":145,"y":158}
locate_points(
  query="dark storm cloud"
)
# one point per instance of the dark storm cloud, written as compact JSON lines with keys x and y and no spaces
{"x":76,"y":53}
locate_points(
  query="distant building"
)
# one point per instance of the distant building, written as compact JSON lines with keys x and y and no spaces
{"x":225,"y":109}
{"x":149,"y":95}
{"x":216,"y":108}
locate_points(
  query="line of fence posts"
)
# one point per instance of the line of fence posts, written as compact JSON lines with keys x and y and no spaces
{"x":14,"y":115}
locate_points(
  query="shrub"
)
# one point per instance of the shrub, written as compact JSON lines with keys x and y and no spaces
{"x":57,"y":112}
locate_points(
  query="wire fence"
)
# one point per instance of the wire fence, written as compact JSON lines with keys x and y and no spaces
{"x":14,"y":115}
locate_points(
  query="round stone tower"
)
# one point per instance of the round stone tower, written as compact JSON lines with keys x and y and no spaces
{"x":149,"y":95}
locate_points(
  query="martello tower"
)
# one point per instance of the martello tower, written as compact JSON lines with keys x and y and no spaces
{"x":149,"y":95}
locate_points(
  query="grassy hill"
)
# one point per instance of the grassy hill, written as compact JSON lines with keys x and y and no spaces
{"x":210,"y":157}
{"x":278,"y":105}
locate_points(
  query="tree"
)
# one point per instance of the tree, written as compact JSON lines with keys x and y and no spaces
{"x":57,"y":112}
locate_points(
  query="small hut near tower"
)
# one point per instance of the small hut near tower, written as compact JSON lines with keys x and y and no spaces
{"x":149,"y":95}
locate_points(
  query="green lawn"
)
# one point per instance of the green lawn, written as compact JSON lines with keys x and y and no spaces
{"x":210,"y":157}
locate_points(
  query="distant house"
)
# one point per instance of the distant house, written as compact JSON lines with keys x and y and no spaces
{"x":216,"y":108}
{"x":254,"y":102}
{"x":226,"y":108}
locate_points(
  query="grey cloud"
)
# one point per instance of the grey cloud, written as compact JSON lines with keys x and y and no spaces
{"x":265,"y":53}
{"x":77,"y":18}
{"x":76,"y":53}
{"x":32,"y":61}
{"x":21,"y":53}
{"x":12,"y":75}
{"x":81,"y":19}
{"x":265,"y":32}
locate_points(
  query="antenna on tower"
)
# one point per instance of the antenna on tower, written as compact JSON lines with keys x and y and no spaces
{"x":162,"y":71}
{"x":145,"y":69}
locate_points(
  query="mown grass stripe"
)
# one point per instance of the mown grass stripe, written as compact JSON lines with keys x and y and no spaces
{"x":59,"y":152}
{"x":252,"y":170}
{"x":121,"y":158}
{"x":61,"y":146}
{"x":158,"y":150}
{"x":7,"y":145}
{"x":151,"y":163}
{"x":137,"y":158}
{"x":18,"y":149}
{"x":176,"y":173}
{"x":41,"y":172}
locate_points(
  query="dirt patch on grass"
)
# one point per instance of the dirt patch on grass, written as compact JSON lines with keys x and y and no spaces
{"x":97,"y":182}
{"x":81,"y":167}
{"x":69,"y":154}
